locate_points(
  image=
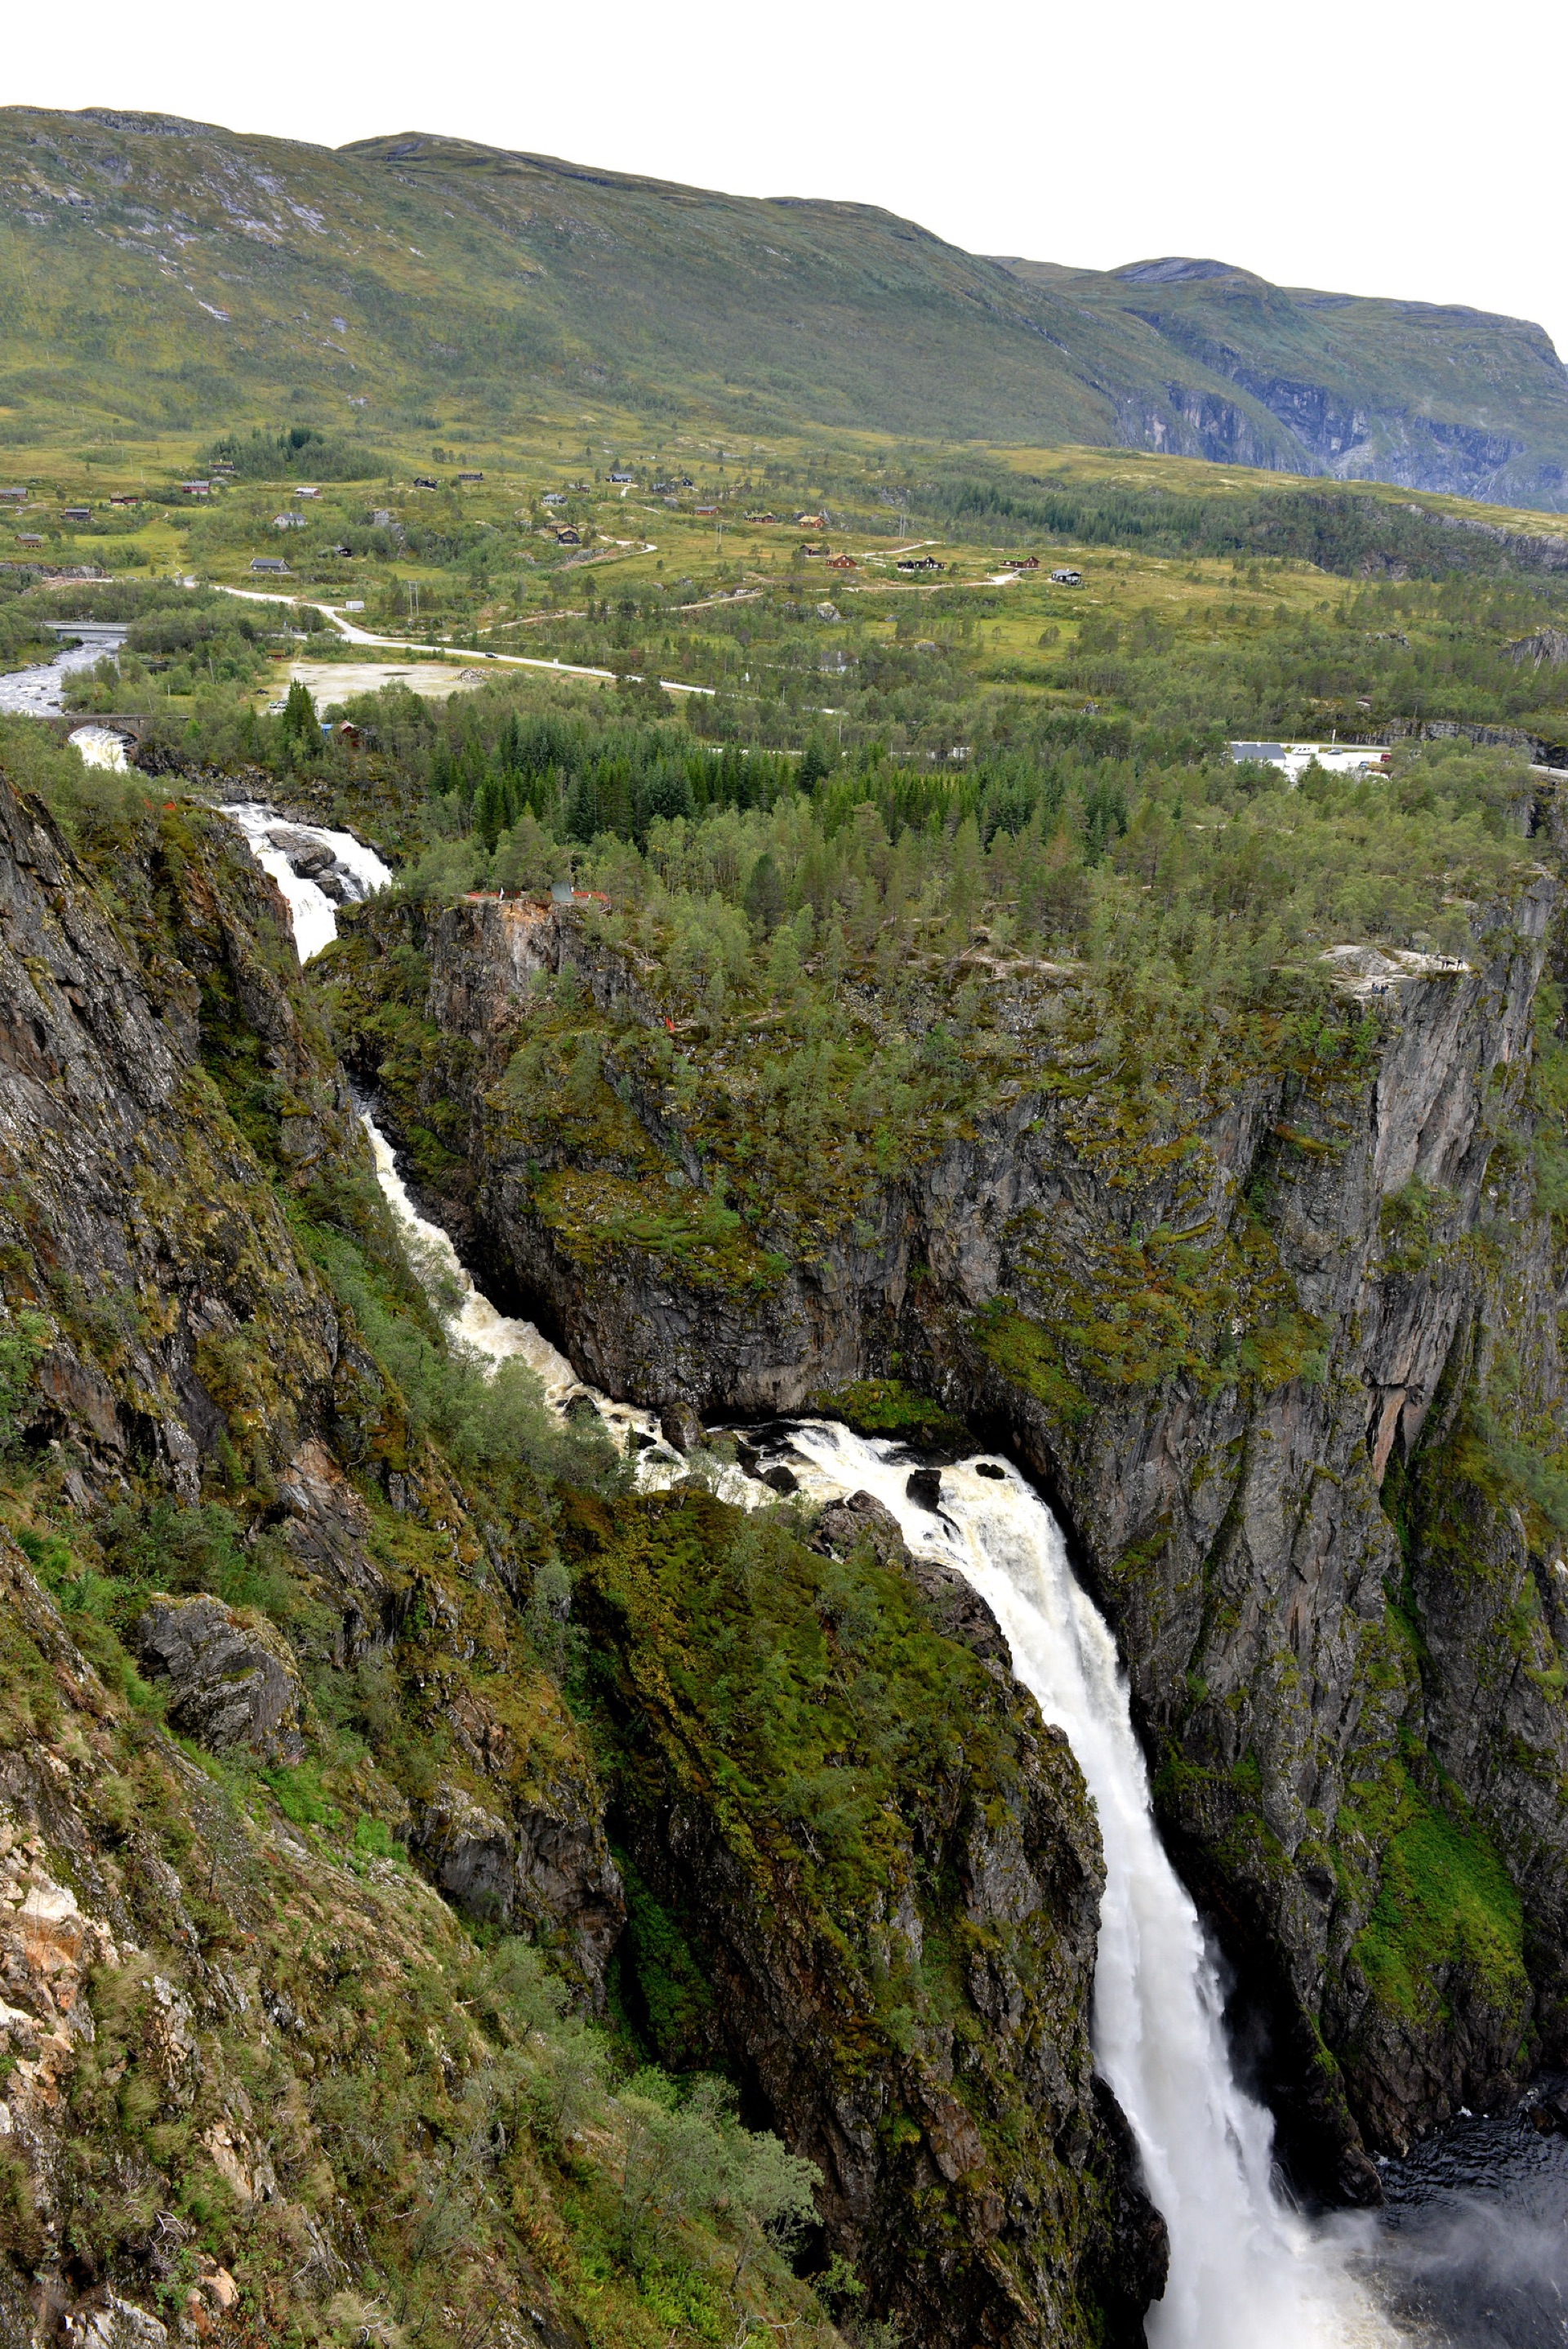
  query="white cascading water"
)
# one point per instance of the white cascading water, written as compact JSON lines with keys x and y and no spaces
{"x":311,"y":911}
{"x":496,"y":1337}
{"x":474,"y":1322}
{"x":1246,"y":2270}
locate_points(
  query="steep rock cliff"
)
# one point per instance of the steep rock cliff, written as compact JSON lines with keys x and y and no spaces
{"x":896,"y":1964}
{"x":184,"y":1338}
{"x":281,"y":1666}
{"x":1243,"y":1316}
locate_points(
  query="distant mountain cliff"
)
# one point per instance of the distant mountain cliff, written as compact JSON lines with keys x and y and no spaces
{"x":1434,"y":397}
{"x":158,"y":274}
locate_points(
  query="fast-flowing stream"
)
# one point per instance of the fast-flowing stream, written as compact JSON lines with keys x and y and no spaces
{"x":40,"y":691}
{"x":495,"y":1337}
{"x":1246,"y":2272}
{"x":356,"y":871}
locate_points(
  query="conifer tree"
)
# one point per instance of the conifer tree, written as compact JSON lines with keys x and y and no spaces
{"x":300,"y":720}
{"x":764,"y":895}
{"x":817,"y":762}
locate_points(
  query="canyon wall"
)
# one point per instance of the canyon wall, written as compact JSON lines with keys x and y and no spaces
{"x":1276,"y":1334}
{"x":328,"y":1707}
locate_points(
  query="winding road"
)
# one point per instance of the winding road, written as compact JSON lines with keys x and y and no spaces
{"x":353,"y":636}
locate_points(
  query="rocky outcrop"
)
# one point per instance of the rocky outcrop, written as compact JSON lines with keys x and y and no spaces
{"x":545,"y":1871}
{"x":860,"y":1516}
{"x":315,"y":860}
{"x":1548,"y":645}
{"x":232,"y":1685}
{"x":953,"y":1603}
{"x":116,"y":2324}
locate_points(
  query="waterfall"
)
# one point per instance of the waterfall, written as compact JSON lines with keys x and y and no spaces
{"x":100,"y":746}
{"x":474,"y":1321}
{"x":1246,"y":2270}
{"x":359,"y":871}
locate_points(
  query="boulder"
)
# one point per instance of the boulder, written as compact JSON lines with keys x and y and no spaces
{"x":308,"y":857}
{"x":681,"y":1428}
{"x":860,"y":1516}
{"x":924,"y":1487}
{"x":234,"y":1684}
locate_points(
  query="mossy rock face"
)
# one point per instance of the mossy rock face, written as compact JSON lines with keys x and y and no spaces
{"x":1444,"y":1997}
{"x":864,"y":1877}
{"x":833,"y":1818}
{"x":887,"y":1407}
{"x":1165,"y":1262}
{"x":362,"y":2030}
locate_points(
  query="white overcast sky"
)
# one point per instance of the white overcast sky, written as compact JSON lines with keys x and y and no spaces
{"x":1381,"y":148}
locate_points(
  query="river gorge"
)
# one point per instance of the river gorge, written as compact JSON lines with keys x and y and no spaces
{"x":1469,"y":2218}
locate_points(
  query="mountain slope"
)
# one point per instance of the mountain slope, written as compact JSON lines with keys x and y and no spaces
{"x":275,"y":1675}
{"x":157,"y":274}
{"x":1427,"y":396}
{"x":409,"y":272}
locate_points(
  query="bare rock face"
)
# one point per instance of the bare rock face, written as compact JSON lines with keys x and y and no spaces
{"x":470,"y":1852}
{"x":1548,"y":645}
{"x":233,"y":1685}
{"x":547,"y":1867}
{"x":117,"y":2323}
{"x":328,"y":1531}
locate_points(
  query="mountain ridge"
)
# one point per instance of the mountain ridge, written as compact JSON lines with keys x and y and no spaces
{"x":1318,"y":362}
{"x":485,"y":280}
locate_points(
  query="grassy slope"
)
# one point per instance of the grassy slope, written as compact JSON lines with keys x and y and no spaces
{"x":418,"y":275}
{"x":466,"y":277}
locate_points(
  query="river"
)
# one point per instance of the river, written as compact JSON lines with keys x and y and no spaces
{"x":40,"y":692}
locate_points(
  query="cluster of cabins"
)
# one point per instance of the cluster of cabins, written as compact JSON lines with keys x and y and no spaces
{"x":563,"y":533}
